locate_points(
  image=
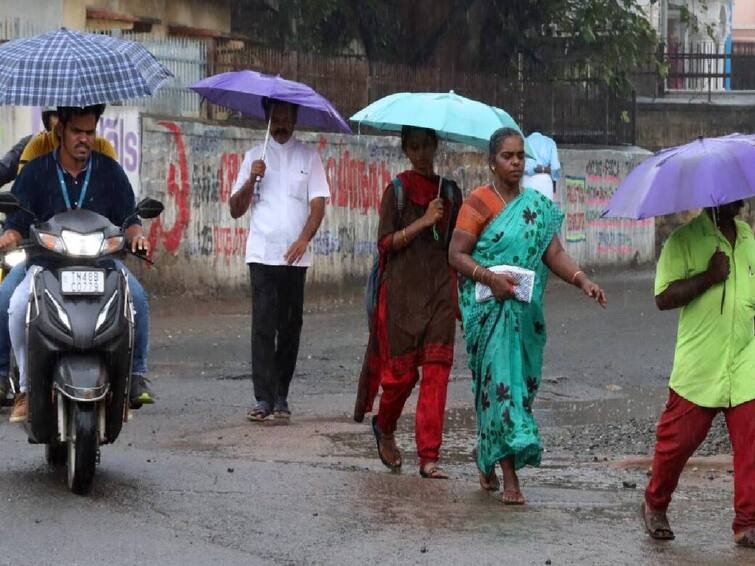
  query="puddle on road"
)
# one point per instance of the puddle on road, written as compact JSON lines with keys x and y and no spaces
{"x":571,"y":431}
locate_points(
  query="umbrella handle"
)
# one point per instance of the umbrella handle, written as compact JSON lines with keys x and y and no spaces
{"x":264,"y":153}
{"x":436,"y":236}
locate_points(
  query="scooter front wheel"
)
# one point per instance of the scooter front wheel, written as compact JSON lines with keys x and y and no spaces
{"x":82,"y":447}
{"x":56,"y":454}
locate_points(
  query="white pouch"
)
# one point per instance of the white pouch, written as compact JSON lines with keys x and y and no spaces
{"x":525,"y":283}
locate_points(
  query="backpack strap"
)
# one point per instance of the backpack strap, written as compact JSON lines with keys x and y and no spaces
{"x":399,"y":194}
{"x":453,"y":197}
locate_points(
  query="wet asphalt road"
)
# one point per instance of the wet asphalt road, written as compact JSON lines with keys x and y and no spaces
{"x":190,"y":482}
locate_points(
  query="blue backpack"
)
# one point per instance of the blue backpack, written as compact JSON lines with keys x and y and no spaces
{"x":373,"y":279}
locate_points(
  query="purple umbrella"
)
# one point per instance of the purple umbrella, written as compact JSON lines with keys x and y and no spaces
{"x":244,"y":90}
{"x":707,"y":172}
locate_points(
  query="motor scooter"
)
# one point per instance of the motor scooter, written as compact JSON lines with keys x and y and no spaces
{"x":80,"y":335}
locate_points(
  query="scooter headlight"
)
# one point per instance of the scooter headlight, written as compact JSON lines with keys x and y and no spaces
{"x":111,"y":245}
{"x":51,"y":242}
{"x":82,"y":245}
{"x":15,"y":257}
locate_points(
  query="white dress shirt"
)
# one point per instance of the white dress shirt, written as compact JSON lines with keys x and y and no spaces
{"x":294,"y":176}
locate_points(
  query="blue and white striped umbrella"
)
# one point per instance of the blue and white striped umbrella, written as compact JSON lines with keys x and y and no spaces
{"x":71,"y":68}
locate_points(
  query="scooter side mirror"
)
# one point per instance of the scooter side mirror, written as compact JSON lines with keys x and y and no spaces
{"x":9,"y":203}
{"x":149,"y":208}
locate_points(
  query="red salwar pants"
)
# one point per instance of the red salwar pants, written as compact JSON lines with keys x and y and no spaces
{"x":431,"y":405}
{"x":682,"y":428}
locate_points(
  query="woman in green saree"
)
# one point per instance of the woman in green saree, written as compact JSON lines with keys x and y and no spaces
{"x":501,"y":224}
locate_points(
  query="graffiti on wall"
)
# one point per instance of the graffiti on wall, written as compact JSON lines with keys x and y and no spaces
{"x":195,"y":178}
{"x":199,"y":177}
{"x":575,"y":209}
{"x":193,"y":167}
{"x":586,"y":197}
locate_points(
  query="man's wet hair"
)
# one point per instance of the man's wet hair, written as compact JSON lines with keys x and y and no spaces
{"x":66,"y":113}
{"x":497,"y":139}
{"x":407,"y":130}
{"x":268,"y":102}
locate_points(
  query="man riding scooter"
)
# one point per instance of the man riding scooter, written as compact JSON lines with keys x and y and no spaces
{"x":74,"y":176}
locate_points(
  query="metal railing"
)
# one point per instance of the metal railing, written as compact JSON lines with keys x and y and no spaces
{"x":709,"y":67}
{"x":186,"y":59}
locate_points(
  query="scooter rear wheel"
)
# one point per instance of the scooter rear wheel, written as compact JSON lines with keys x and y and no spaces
{"x":82,"y":447}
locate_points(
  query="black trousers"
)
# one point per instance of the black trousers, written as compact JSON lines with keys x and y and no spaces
{"x":277,"y":306}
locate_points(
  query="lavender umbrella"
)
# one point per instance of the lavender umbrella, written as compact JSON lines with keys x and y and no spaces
{"x":244,"y":90}
{"x":707,"y":172}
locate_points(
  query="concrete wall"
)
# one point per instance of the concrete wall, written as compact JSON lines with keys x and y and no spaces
{"x":666,"y":124}
{"x":191,"y":167}
{"x":744,"y":20}
{"x":589,"y":180}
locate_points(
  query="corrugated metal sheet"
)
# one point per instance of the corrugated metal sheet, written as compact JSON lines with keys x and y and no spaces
{"x":184,"y":57}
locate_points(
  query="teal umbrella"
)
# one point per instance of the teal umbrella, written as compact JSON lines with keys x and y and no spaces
{"x":455,"y":118}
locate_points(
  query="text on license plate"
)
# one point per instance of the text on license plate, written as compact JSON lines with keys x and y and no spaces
{"x":82,"y":282}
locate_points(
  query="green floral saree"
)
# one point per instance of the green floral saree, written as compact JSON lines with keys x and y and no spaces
{"x":505,"y":340}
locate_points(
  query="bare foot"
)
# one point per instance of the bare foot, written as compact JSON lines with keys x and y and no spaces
{"x":490,"y":482}
{"x":512,"y":497}
{"x":512,"y":494}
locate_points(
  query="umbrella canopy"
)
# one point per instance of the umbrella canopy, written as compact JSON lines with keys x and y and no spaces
{"x":71,"y":68}
{"x":705,"y":173}
{"x":454,"y":118}
{"x":244,"y":90}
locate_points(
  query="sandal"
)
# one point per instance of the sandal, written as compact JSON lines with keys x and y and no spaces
{"x":281,"y":414}
{"x":513,"y":497}
{"x":432,"y":471}
{"x":656,"y":523}
{"x":490,"y":482}
{"x":745,"y":538}
{"x":379,"y":438}
{"x":258,"y":414}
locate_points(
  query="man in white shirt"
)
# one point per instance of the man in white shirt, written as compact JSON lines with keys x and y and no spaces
{"x":286,"y":211}
{"x":542,"y":172}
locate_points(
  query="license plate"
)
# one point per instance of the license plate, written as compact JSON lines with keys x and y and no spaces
{"x":82,"y":282}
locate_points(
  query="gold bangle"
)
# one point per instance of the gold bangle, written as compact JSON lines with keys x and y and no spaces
{"x":403,"y":233}
{"x":574,"y":277}
{"x":476,"y":267}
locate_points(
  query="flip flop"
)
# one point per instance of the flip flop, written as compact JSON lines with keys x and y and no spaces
{"x":745,"y":538}
{"x":657,"y":527}
{"x":378,"y":436}
{"x":281,"y":414}
{"x":257,"y":415}
{"x":433,"y":472}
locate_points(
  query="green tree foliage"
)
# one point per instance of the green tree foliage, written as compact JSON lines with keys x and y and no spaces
{"x":598,"y":39}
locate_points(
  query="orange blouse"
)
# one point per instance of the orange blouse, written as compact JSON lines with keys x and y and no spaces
{"x":479,"y":208}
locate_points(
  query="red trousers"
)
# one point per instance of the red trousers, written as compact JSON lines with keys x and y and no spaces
{"x":682,"y":428}
{"x":431,"y":406}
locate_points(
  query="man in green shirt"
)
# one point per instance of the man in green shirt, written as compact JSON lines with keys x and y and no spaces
{"x":709,"y":273}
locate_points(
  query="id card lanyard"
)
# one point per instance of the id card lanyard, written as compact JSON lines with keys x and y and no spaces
{"x":64,"y":189}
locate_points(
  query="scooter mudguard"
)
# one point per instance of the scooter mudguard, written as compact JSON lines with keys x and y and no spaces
{"x":81,"y":377}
